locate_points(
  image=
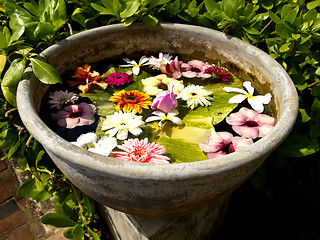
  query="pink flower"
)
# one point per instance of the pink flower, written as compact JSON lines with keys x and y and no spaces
{"x":195,"y":68}
{"x":250,"y":124}
{"x":223,"y":143}
{"x":219,"y":73}
{"x":72,"y":116}
{"x":141,"y":151}
{"x":173,"y":68}
{"x":118,"y":79}
{"x":165,"y":101}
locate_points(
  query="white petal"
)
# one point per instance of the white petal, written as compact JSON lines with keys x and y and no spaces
{"x":143,"y":60}
{"x":265,"y":99}
{"x":112,"y":132}
{"x":130,"y":61}
{"x":249,"y":87}
{"x":135,"y":131}
{"x":136,"y":70}
{"x":153,"y":118}
{"x":122,"y":134}
{"x":232,"y":89}
{"x":176,"y":120}
{"x":237,"y":98}
{"x":256,"y":104}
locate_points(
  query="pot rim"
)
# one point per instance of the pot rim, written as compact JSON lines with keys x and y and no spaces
{"x":177,"y":171}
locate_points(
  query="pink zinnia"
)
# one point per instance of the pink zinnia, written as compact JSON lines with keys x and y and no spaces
{"x":118,"y":79}
{"x":195,"y":68}
{"x":72,"y":116}
{"x":219,"y":73}
{"x":173,"y":68}
{"x":141,"y":151}
{"x":250,"y":124}
{"x":223,"y":143}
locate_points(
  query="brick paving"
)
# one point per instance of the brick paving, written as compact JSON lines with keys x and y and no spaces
{"x":18,"y":218}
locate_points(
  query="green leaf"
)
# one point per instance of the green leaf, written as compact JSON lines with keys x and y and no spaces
{"x":78,"y":232}
{"x":286,"y":47}
{"x":93,"y":233}
{"x":57,"y":220}
{"x":29,"y":189}
{"x":304,"y":116}
{"x":3,"y":41}
{"x":291,"y":16}
{"x":259,"y":177}
{"x":14,"y":149}
{"x":45,"y":72}
{"x":59,"y":14}
{"x":274,"y":17}
{"x":150,"y":20}
{"x":68,"y":233}
{"x":131,"y":8}
{"x":10,"y":94}
{"x":3,"y":60}
{"x":14,"y":73}
{"x":313,"y":4}
{"x":9,"y":140}
{"x":103,"y":10}
{"x":283,"y":30}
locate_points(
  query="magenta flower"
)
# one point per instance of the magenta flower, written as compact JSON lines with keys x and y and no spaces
{"x":118,"y":79}
{"x":219,"y":73}
{"x":165,"y":101}
{"x":141,"y":151}
{"x":250,"y":124}
{"x":223,"y":143}
{"x":173,"y":68}
{"x":195,"y":68}
{"x":72,"y":116}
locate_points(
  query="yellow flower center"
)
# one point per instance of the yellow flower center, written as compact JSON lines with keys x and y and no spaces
{"x":249,"y":96}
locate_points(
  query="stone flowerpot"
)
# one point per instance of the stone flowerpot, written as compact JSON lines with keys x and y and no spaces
{"x":163,"y":193}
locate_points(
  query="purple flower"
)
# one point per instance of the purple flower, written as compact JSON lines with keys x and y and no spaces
{"x":250,"y":124}
{"x":195,"y":68}
{"x":223,"y":143}
{"x":118,"y":79}
{"x":173,"y":68}
{"x":219,"y":73}
{"x":72,"y":116}
{"x":165,"y":101}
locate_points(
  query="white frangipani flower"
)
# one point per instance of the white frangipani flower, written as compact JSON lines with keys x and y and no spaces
{"x":161,"y":116}
{"x":195,"y":95}
{"x":155,"y":63}
{"x":135,"y":66}
{"x":121,"y":124}
{"x":256,"y":102}
{"x":104,"y":146}
{"x":86,"y":140}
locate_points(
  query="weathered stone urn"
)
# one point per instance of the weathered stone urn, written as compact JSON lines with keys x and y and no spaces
{"x":151,"y":193}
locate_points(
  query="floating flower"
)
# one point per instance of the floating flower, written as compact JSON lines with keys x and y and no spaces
{"x":72,"y":116}
{"x":121,"y":124}
{"x":250,"y":124}
{"x":163,"y":59}
{"x":223,"y":143}
{"x":195,"y":95}
{"x":135,"y":66}
{"x":131,"y":101}
{"x":161,"y":116}
{"x":86,"y":140}
{"x":85,"y":78}
{"x":136,"y":150}
{"x":219,"y":73}
{"x":173,"y":68}
{"x":60,"y":98}
{"x":104,"y":146}
{"x":160,"y":83}
{"x":165,"y":101}
{"x":118,"y":79}
{"x":256,"y":102}
{"x":195,"y":68}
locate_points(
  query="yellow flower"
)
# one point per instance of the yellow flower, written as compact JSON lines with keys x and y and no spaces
{"x":132,"y":100}
{"x":160,"y":83}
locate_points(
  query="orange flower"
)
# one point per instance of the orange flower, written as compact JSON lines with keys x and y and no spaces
{"x":84,"y":78}
{"x":132,"y":100}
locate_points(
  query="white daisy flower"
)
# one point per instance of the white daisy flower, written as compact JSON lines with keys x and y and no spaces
{"x":104,"y":146}
{"x":59,"y":98}
{"x":135,"y":66}
{"x":86,"y":140}
{"x":161,"y":116}
{"x":256,"y":102}
{"x":121,"y":124}
{"x":195,"y":95}
{"x":155,"y":63}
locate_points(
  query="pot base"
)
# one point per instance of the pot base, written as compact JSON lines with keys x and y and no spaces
{"x":196,"y":226}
